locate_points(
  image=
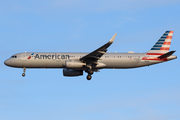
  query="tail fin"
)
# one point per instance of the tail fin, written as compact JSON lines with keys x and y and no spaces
{"x":162,"y":46}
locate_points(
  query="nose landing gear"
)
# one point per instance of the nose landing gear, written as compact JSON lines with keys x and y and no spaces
{"x":24,"y":70}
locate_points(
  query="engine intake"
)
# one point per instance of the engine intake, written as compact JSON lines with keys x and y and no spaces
{"x":71,"y":72}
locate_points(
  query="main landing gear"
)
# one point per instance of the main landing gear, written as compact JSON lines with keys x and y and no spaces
{"x":90,"y":72}
{"x":24,"y":70}
{"x":89,"y":77}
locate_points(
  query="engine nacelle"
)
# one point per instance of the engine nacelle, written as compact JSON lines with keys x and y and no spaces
{"x":74,"y":64}
{"x":71,"y":72}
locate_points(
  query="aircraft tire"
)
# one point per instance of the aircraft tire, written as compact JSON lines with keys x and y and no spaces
{"x":89,"y":77}
{"x":23,"y":74}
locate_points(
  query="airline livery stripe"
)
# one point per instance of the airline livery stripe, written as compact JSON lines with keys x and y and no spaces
{"x":155,"y":54}
{"x":156,"y":59}
{"x":170,"y":34}
{"x":169,"y":37}
{"x":166,"y":34}
{"x":168,"y":40}
{"x":171,"y":31}
{"x":163,"y":37}
{"x":164,"y":48}
{"x":158,"y":51}
{"x":155,"y":48}
{"x":167,"y":43}
{"x":161,"y":40}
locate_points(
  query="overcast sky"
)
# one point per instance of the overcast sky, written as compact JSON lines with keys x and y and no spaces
{"x":147,"y":93}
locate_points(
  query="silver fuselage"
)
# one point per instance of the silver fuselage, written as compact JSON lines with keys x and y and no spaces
{"x":57,"y":60}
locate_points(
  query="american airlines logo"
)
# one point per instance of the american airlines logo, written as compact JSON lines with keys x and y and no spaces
{"x":30,"y":56}
{"x":50,"y":57}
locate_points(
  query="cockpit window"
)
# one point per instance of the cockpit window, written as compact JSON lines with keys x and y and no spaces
{"x":14,"y":56}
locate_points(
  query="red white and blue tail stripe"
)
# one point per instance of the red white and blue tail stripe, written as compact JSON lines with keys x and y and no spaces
{"x":162,"y":46}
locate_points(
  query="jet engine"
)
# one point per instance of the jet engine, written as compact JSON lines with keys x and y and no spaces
{"x":71,"y":72}
{"x":74,"y":64}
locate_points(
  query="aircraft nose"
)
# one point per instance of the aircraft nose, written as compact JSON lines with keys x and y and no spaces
{"x":6,"y":62}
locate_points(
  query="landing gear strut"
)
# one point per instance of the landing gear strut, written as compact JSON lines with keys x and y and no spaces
{"x":24,"y":70}
{"x":90,"y":72}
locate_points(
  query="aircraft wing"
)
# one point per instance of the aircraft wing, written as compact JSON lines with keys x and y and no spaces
{"x":98,"y":53}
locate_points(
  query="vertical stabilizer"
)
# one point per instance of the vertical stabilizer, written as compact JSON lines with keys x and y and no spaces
{"x":162,"y":46}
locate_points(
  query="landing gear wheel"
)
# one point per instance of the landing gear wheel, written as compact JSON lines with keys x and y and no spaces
{"x":24,"y":70}
{"x":23,"y":74}
{"x":89,"y":77}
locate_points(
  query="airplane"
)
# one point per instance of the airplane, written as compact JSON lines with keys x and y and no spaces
{"x":74,"y":64}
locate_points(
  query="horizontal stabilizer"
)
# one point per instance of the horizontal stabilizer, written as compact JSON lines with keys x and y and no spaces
{"x":166,"y":55}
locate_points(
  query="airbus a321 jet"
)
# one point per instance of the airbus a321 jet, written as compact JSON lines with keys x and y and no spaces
{"x":74,"y":64}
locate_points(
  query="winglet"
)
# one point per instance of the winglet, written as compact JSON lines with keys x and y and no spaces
{"x":112,"y":39}
{"x":98,"y":53}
